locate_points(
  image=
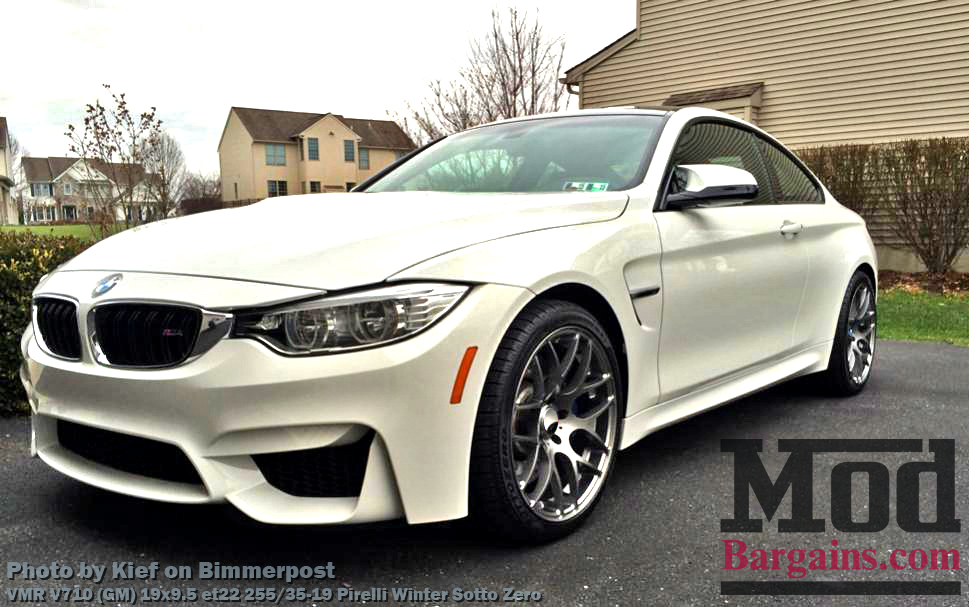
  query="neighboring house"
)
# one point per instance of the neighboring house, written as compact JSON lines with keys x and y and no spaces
{"x":264,"y":153}
{"x":809,"y":73}
{"x":73,"y":189}
{"x":8,"y":207}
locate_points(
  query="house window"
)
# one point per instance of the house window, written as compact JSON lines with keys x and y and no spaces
{"x":364,"y":159}
{"x":314,"y":187}
{"x":70,"y":213}
{"x":348,"y":150}
{"x":68,"y":190}
{"x":275,"y":154}
{"x":313,"y":147}
{"x":90,"y":212}
{"x":276,"y":188}
{"x":39,"y":189}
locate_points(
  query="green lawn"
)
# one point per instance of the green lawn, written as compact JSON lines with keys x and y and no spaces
{"x":80,"y":231}
{"x":923,"y":317}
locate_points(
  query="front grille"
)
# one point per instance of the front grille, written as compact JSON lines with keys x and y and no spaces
{"x":127,"y":453}
{"x":323,"y":472}
{"x":56,"y":319}
{"x":146,"y":335}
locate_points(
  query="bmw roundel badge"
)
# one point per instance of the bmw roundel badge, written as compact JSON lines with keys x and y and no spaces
{"x":105,"y":284}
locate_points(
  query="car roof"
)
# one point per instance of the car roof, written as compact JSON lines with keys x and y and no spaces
{"x":617,"y":110}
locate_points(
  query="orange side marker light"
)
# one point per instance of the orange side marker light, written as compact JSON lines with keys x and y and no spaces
{"x":458,"y":391}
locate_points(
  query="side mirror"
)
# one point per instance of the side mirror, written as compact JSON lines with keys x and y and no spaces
{"x":695,"y":185}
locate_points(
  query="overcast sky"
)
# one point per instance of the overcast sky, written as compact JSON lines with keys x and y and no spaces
{"x":194,"y":59}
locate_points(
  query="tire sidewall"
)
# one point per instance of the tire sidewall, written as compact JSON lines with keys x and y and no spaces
{"x":553,"y":315}
{"x":841,"y":340}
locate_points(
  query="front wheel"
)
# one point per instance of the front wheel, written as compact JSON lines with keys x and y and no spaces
{"x":853,"y":352}
{"x":547,"y":426}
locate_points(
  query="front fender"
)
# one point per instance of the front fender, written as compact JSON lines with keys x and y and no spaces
{"x":602,"y":256}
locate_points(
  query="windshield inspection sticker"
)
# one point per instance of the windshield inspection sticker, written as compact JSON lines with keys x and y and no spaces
{"x":585,"y":186}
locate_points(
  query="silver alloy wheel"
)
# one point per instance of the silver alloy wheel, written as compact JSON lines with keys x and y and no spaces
{"x":861,"y":333}
{"x":564,"y":424}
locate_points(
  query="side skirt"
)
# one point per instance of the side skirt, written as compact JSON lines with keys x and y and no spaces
{"x":763,"y":376}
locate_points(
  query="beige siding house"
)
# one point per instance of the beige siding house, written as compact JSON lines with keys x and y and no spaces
{"x":809,"y":72}
{"x":266,"y":153}
{"x":8,"y":207}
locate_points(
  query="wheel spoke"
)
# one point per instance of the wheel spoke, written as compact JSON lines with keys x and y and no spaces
{"x":865,"y":296}
{"x":543,"y":482}
{"x":572,"y":473}
{"x":538,"y":383}
{"x":585,"y":363}
{"x":589,"y":466}
{"x":553,"y":380}
{"x":532,"y":468}
{"x":569,"y":357}
{"x":557,"y":488}
{"x":595,"y":440}
{"x":599,"y":409}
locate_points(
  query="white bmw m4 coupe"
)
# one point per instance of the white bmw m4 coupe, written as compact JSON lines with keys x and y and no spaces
{"x":479,"y":329}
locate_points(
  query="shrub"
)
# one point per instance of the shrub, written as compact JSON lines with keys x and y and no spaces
{"x":847,"y":171}
{"x":24,"y":258}
{"x":929,"y":185}
{"x":917,"y":189}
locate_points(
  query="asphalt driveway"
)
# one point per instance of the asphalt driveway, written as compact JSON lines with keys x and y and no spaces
{"x":654,"y":540}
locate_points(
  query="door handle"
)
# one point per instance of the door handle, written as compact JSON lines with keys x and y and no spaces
{"x":790,"y":229}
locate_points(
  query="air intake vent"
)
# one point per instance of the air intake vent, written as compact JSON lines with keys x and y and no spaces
{"x":324,"y":472}
{"x":56,"y":319}
{"x":145,"y":335}
{"x":131,"y":454}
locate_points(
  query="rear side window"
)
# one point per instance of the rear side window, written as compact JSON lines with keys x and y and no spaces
{"x":791,"y":184}
{"x":718,"y":143}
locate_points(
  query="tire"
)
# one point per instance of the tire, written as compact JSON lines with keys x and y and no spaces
{"x":854,"y":335}
{"x":547,"y":427}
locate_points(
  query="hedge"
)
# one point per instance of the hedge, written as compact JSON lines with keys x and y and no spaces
{"x":24,"y":258}
{"x":913,"y":193}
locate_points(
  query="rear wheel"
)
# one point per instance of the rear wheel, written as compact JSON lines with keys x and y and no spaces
{"x":547,"y":426}
{"x":853,"y":352}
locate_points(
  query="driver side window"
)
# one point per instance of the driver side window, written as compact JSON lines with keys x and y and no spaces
{"x":718,"y":143}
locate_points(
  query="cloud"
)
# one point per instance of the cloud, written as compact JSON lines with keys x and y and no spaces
{"x":195,"y":59}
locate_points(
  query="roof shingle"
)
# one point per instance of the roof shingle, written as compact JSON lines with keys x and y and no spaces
{"x":735,"y":91}
{"x":283,"y":126}
{"x":379,"y":133}
{"x":48,"y":169}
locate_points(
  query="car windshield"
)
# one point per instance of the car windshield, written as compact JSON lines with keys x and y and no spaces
{"x":574,"y":153}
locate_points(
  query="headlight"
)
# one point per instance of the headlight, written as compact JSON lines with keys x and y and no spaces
{"x":352,"y":321}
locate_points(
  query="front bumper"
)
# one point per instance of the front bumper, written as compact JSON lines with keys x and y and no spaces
{"x":240,"y":399}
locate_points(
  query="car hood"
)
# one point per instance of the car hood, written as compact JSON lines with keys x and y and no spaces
{"x":336,"y":241}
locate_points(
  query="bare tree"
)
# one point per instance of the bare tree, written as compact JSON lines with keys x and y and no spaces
{"x":165,"y":165}
{"x":115,"y":143}
{"x":199,"y":185}
{"x":929,"y":181}
{"x":17,"y":152}
{"x":513,"y":70}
